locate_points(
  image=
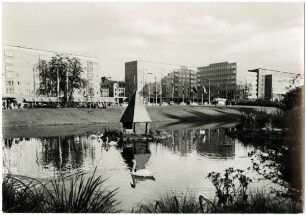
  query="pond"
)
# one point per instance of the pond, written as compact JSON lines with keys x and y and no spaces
{"x":179,"y":164}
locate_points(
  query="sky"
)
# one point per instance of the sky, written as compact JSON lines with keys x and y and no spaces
{"x":255,"y":35}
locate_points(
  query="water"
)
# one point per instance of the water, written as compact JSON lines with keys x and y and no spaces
{"x":178,"y":164}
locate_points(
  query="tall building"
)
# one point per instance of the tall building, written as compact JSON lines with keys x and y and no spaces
{"x":20,"y":73}
{"x":224,"y":78}
{"x":156,"y":82}
{"x":272,"y":84}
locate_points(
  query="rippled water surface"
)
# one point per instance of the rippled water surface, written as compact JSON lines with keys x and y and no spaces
{"x":179,"y":164}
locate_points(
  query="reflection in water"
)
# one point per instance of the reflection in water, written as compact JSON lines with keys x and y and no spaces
{"x":136,"y":156}
{"x":214,"y":143}
{"x":178,"y":163}
{"x":210,"y":142}
{"x":50,"y":154}
{"x":66,"y":153}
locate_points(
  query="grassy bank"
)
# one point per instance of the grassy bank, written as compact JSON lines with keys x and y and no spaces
{"x":73,"y":116}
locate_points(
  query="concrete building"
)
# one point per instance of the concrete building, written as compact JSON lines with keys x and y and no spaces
{"x":272,"y":84}
{"x":114,"y":89}
{"x":224,"y":78}
{"x":20,"y":73}
{"x":157,"y":82}
{"x":178,"y":86}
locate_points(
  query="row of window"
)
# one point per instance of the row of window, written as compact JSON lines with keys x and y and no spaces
{"x":11,"y":90}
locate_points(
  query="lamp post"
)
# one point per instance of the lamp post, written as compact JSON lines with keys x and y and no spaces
{"x":160,"y":89}
{"x":208,"y":91}
{"x":155,"y":86}
{"x":67,"y":85}
{"x":57,"y":78}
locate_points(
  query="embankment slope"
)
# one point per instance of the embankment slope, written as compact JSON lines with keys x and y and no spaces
{"x":74,"y":116}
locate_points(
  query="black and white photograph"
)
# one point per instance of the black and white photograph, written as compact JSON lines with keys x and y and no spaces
{"x":153,"y":107}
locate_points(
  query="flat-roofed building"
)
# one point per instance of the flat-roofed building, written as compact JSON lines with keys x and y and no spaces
{"x":157,"y":82}
{"x":224,"y":78}
{"x":273,"y":84}
{"x":114,"y":89}
{"x":20,"y":73}
{"x":251,"y":85}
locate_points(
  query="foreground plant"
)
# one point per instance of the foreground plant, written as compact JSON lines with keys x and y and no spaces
{"x":61,"y":195}
{"x":171,"y":203}
{"x":226,"y":187}
{"x":231,"y":197}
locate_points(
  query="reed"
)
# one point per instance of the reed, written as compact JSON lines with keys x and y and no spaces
{"x":60,"y":195}
{"x":171,"y":203}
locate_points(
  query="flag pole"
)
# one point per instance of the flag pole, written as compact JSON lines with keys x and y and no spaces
{"x":208,"y":92}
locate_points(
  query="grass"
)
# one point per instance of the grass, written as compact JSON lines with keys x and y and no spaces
{"x":86,"y":116}
{"x":74,"y":195}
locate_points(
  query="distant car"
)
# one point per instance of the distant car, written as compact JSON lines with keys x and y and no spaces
{"x":164,"y":104}
{"x":124,"y":104}
{"x":219,"y":101}
{"x":231,"y":102}
{"x":171,"y":103}
{"x":182,"y":103}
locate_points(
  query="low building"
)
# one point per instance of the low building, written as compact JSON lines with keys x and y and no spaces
{"x":272,"y":84}
{"x":114,"y":89}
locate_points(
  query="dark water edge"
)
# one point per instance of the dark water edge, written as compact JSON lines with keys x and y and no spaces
{"x":63,"y":130}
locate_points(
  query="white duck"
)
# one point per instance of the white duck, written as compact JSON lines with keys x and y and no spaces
{"x":95,"y":136}
{"x":202,"y":131}
{"x":112,"y":143}
{"x":141,"y":173}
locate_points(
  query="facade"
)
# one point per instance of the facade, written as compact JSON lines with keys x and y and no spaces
{"x":118,"y":91}
{"x":272,"y":84}
{"x":251,"y":85}
{"x":178,"y":86}
{"x":20,"y":73}
{"x":157,"y":82}
{"x":115,"y":89}
{"x":224,"y":78}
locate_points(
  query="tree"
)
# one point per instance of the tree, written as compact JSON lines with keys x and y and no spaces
{"x":293,"y":98}
{"x":47,"y":82}
{"x":61,"y":69}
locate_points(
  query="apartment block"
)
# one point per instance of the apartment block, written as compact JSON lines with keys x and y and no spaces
{"x":157,"y":82}
{"x":20,"y":73}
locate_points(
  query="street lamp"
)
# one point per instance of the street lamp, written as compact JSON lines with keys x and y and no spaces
{"x":155,"y":87}
{"x":208,"y":91}
{"x":57,"y":83}
{"x":67,"y":80}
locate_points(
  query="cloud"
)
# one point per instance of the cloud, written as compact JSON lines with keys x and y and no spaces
{"x":150,"y":27}
{"x":277,"y":49}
